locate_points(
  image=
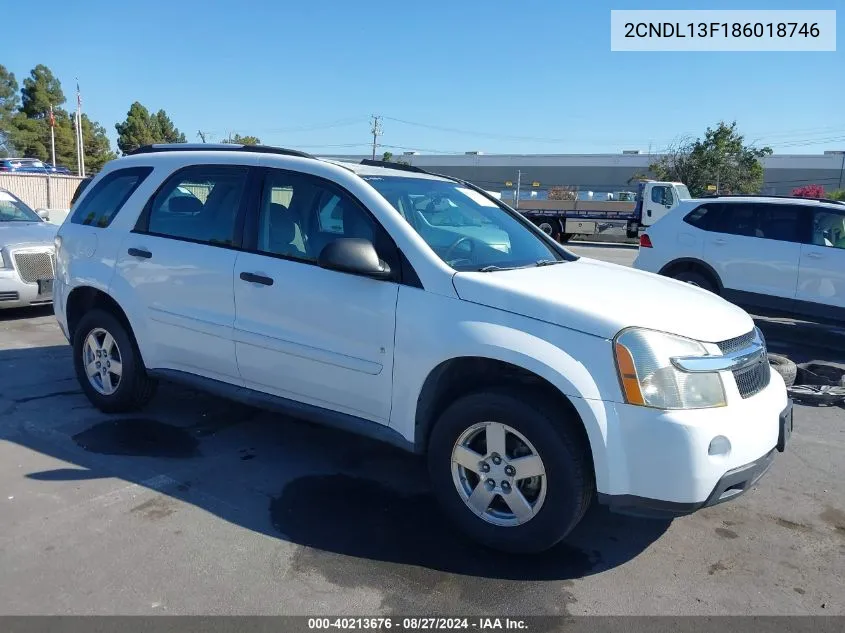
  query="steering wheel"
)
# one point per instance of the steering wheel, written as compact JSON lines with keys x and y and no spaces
{"x":451,"y":249}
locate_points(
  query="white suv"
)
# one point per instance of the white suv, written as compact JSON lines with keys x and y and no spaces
{"x":417,"y":309}
{"x":778,"y":255}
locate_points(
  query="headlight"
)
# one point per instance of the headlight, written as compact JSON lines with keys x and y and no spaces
{"x":5,"y":260}
{"x":649,"y":379}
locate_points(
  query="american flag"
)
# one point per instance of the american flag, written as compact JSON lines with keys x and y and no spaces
{"x":52,"y":118}
{"x":78,"y":97}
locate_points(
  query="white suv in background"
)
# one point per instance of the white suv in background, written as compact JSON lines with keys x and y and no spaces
{"x":779,"y":255}
{"x":421,"y":311}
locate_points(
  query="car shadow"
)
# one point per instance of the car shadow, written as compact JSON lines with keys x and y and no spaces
{"x":344,"y":498}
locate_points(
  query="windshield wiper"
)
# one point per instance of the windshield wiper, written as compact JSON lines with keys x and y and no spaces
{"x":492,"y":269}
{"x":548,"y":262}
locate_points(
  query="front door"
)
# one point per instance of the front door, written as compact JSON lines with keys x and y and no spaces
{"x":303,"y":332}
{"x":180,"y":264}
{"x":821,"y":279}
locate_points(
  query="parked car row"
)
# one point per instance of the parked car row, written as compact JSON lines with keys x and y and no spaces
{"x":31,"y":166}
{"x":417,"y":309}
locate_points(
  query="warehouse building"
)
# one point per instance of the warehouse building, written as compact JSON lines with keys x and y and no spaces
{"x":601,"y":174}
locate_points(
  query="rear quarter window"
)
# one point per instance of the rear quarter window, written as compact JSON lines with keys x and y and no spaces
{"x":102,"y":204}
{"x":704,"y":217}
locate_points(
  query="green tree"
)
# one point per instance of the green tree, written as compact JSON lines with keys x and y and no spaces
{"x":9,"y":103}
{"x":387,"y":157}
{"x":839,"y":194}
{"x":166,"y":130}
{"x":40,"y":90}
{"x":142,"y":128}
{"x":237,"y":139}
{"x":721,"y":159}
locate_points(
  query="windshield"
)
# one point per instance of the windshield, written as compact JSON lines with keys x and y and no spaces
{"x":13,"y":210}
{"x":464,"y":228}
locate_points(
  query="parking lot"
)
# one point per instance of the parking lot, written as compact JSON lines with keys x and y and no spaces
{"x":201,"y":506}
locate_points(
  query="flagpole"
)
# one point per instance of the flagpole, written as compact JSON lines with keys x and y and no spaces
{"x":79,"y":124}
{"x":52,"y":135}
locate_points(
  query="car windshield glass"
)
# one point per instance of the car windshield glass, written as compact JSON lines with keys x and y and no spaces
{"x":464,"y":228}
{"x":13,"y":210}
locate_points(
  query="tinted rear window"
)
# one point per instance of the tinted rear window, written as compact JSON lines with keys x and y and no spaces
{"x":101,"y":205}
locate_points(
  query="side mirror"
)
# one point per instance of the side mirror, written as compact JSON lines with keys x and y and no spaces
{"x":44,"y":214}
{"x":353,"y":255}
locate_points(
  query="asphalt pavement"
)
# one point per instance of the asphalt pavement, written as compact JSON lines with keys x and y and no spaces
{"x":201,"y":506}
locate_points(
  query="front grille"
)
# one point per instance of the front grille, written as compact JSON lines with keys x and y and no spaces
{"x":752,"y":380}
{"x":34,"y":266}
{"x":9,"y":296}
{"x":733,"y":344}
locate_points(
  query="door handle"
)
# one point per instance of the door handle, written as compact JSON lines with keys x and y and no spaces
{"x":814,"y":256}
{"x":140,"y":252}
{"x":257,"y":279}
{"x":720,"y":241}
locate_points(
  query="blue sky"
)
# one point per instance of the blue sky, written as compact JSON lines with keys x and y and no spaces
{"x":309,"y":74}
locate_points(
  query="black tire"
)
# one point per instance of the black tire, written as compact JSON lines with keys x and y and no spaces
{"x":697,"y":279}
{"x":570,"y":481}
{"x":135,"y":388}
{"x":785,"y":367}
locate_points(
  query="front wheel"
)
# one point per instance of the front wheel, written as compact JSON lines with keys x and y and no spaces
{"x":108,"y":366}
{"x":511,"y":471}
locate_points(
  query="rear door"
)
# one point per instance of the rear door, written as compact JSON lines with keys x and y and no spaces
{"x":179,"y":262}
{"x":755,"y":248}
{"x":821,"y":279}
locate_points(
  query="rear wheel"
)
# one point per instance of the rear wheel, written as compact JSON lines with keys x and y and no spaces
{"x":108,"y":366}
{"x":695,"y":278}
{"x":510,"y":471}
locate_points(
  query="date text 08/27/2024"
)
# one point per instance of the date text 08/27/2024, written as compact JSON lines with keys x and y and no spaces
{"x":416,"y":623}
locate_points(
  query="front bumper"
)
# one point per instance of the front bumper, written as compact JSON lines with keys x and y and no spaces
{"x":671,"y":463}
{"x":15,"y":293}
{"x":732,"y":484}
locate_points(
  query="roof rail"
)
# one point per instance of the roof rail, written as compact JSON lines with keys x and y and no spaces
{"x":206,"y":147}
{"x":389,"y":165}
{"x":763,"y":195}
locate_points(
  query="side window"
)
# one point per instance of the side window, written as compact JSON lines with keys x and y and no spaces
{"x":285,"y":201}
{"x":661,"y":195}
{"x":780,"y":222}
{"x":301,"y":214}
{"x":737,"y":219}
{"x":101,"y":205}
{"x":828,"y":228}
{"x":199,"y":204}
{"x":705,"y":217}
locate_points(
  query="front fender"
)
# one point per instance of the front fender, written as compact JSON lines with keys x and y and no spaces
{"x":432,"y":330}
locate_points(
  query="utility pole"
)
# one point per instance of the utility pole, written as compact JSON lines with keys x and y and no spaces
{"x":377,"y":131}
{"x":518,"y":183}
{"x":52,"y":135}
{"x":841,"y":170}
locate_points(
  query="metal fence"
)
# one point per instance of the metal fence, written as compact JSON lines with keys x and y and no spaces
{"x":42,"y":191}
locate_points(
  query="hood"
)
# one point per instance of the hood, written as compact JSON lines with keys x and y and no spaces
{"x":29,"y":233}
{"x":601,"y":299}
